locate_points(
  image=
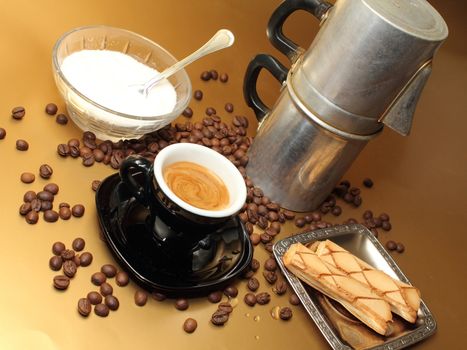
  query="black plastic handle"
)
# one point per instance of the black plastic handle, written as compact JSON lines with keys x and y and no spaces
{"x":274,"y":31}
{"x":130,"y":166}
{"x":277,"y":69}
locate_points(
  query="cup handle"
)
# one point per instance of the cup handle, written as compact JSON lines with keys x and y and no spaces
{"x":317,"y":8}
{"x":128,"y":168}
{"x":271,"y":64}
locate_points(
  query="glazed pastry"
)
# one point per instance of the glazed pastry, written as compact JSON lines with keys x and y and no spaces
{"x":356,"y":297}
{"x":403,"y":298}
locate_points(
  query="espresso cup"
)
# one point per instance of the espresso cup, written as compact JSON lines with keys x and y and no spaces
{"x":154,"y":193}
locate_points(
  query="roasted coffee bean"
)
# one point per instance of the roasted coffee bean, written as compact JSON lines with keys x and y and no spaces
{"x":253,"y":284}
{"x":308,"y":219}
{"x":101,"y":310}
{"x":368,"y":182}
{"x":270,"y":276}
{"x":55,"y":263}
{"x":300,"y":222}
{"x":85,"y":259}
{"x":289,"y":215}
{"x":78,"y":245}
{"x":250,"y":299}
{"x":276,"y":226}
{"x":64,"y":213}
{"x":109,"y":270}
{"x":348,"y":198}
{"x":262,"y":222}
{"x":188,"y":112}
{"x":294,"y":300}
{"x":51,"y":109}
{"x":97,"y":278}
{"x":50,"y":215}
{"x":254,"y":265}
{"x":225,"y":306}
{"x":27,"y":178}
{"x":271,"y":232}
{"x":2,"y":133}
{"x":270,"y":264}
{"x":367,"y":214}
{"x":67,"y":254}
{"x":45,"y":171}
{"x":285,"y":313}
{"x":73,"y":143}
{"x":141,"y":298}
{"x":29,"y":196}
{"x":77,"y":260}
{"x":22,"y":145}
{"x":58,"y":248}
{"x":229,"y":108}
{"x":354,"y":191}
{"x":400,"y":247}
{"x":325,"y":208}
{"x":198,"y":95}
{"x":268,"y":247}
{"x":378,"y":222}
{"x":106,"y":289}
{"x":357,"y":201}
{"x":111,"y":302}
{"x":61,"y":119}
{"x":386,"y":225}
{"x":158,"y":296}
{"x":215,"y":297}
{"x":51,"y":188}
{"x":181,"y":304}
{"x":263,"y":298}
{"x":45,"y":196}
{"x":384,"y":217}
{"x":25,"y":208}
{"x":219,"y":318}
{"x":77,"y":210}
{"x":88,"y":160}
{"x":94,"y":297}
{"x":336,"y":211}
{"x":224,"y":77}
{"x":391,"y":245}
{"x":122,"y":279}
{"x":61,"y":282}
{"x":32,"y":217}
{"x":231,"y":291}
{"x":74,"y":151}
{"x":98,"y":155}
{"x":69,"y":268}
{"x":18,"y":112}
{"x":84,"y":307}
{"x":205,"y":75}
{"x":190,"y":325}
{"x":265,"y":238}
{"x":280,"y":288}
{"x":249,"y":228}
{"x":214,"y":74}
{"x":209,"y":111}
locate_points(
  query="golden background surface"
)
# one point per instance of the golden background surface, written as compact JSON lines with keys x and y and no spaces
{"x":420,"y":180}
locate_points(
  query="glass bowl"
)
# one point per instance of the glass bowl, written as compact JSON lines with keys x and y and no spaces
{"x":106,"y":123}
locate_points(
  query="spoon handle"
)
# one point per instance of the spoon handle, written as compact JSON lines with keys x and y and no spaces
{"x":221,"y":40}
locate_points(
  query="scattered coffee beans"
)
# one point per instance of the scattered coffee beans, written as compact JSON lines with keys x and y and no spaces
{"x":77,"y":210}
{"x":294,"y":300}
{"x":141,"y":298}
{"x":187,"y":112}
{"x":231,"y":291}
{"x":122,"y":279}
{"x":18,"y":112}
{"x":250,"y":299}
{"x":85,"y":259}
{"x":95,"y":185}
{"x":97,"y":278}
{"x":94,"y":298}
{"x":270,"y":264}
{"x":55,"y":263}
{"x":78,"y":244}
{"x":45,"y":171}
{"x":106,"y":289}
{"x":158,"y":296}
{"x":368,"y":182}
{"x":253,"y":284}
{"x":109,"y":270}
{"x":280,"y":288}
{"x":61,"y":119}
{"x":22,"y":145}
{"x":181,"y":304}
{"x":400,"y":247}
{"x":205,"y":76}
{"x":2,"y":133}
{"x":84,"y":307}
{"x":64,"y":213}
{"x":219,"y":318}
{"x":198,"y":95}
{"x":226,"y":306}
{"x":32,"y":217}
{"x":224,"y":77}
{"x":50,"y":216}
{"x":69,"y":268}
{"x":263,"y":298}
{"x":215,"y":297}
{"x":61,"y":282}
{"x":27,"y":178}
{"x":112,"y":302}
{"x":391,"y":245}
{"x":285,"y":313}
{"x":190,"y":325}
{"x":229,"y":108}
{"x":101,"y":310}
{"x":51,"y":109}
{"x":58,"y":248}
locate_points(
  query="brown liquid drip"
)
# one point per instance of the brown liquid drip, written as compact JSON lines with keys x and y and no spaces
{"x":196,"y":185}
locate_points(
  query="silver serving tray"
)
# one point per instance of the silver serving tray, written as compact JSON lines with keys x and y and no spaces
{"x":358,"y":240}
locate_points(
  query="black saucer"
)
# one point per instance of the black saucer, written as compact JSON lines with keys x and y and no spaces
{"x":211,"y":263}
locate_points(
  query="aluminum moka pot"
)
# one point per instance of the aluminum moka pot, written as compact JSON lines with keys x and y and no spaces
{"x":365,"y":69}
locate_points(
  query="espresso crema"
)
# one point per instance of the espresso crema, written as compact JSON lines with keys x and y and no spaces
{"x":196,"y":185}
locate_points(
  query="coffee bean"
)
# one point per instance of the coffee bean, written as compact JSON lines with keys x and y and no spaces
{"x":45,"y":171}
{"x":254,"y":265}
{"x":46,"y":206}
{"x":51,"y":109}
{"x":400,"y":247}
{"x":198,"y":95}
{"x":22,"y":145}
{"x":109,"y":270}
{"x":74,"y":151}
{"x":225,"y":306}
{"x":98,"y":155}
{"x":391,"y":245}
{"x":250,"y":299}
{"x":84,"y":307}
{"x":95,"y":185}
{"x":275,"y":226}
{"x":64,"y":213}
{"x":61,"y":119}
{"x":51,"y":188}
{"x":69,"y":268}
{"x":55,"y":263}
{"x":253,"y":284}
{"x":224,"y":77}
{"x":64,"y":205}
{"x":50,"y":215}
{"x":205,"y":75}
{"x":300,"y":222}
{"x":25,"y":208}
{"x":231,"y":291}
{"x":336,"y":211}
{"x":141,"y":298}
{"x":249,"y":228}
{"x":229,"y":108}
{"x":32,"y":217}
{"x":106,"y":289}
{"x":78,"y":244}
{"x":122,"y":279}
{"x":181,"y":304}
{"x":18,"y":112}
{"x":367,"y":214}
{"x":101,"y":310}
{"x":219,"y":318}
{"x":386,"y":225}
{"x":270,"y":276}
{"x":190,"y":325}
{"x":262,"y":222}
{"x":77,"y":210}
{"x":248,"y":273}
{"x":77,"y":260}
{"x":94,"y":298}
{"x":29,"y":196}
{"x":2,"y":133}
{"x":45,"y":196}
{"x":67,"y":254}
{"x":215,"y":297}
{"x":289,"y":215}
{"x":308,"y":219}
{"x":357,"y":201}
{"x":97,"y":278}
{"x":294,"y":300}
{"x":73,"y":143}
{"x":280,"y":288}
{"x":61,"y":282}
{"x":368,"y":182}
{"x":88,"y":160}
{"x":85,"y":259}
{"x":265,"y":238}
{"x":270,"y":264}
{"x":263,"y":298}
{"x":27,"y":178}
{"x":58,"y":248}
{"x":111,"y":302}
{"x":188,"y":112}
{"x":285,"y":313}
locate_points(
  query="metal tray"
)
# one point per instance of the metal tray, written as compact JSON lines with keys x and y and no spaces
{"x":358,"y":240}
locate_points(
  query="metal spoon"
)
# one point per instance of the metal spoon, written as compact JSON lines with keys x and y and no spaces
{"x":221,"y":40}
